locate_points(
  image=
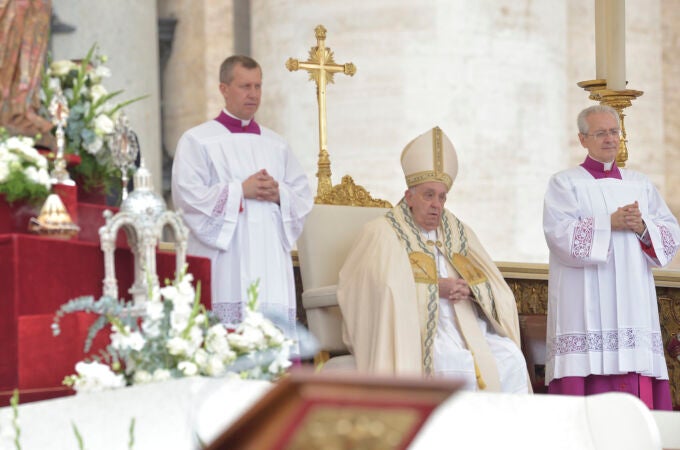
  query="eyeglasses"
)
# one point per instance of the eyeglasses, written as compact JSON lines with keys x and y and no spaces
{"x":615,"y":133}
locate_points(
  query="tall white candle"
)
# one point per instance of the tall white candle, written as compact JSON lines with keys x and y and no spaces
{"x":615,"y":11}
{"x":600,"y":40}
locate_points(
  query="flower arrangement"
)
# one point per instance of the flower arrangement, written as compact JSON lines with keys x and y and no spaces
{"x":23,"y":170}
{"x":174,"y":336}
{"x":91,"y":116}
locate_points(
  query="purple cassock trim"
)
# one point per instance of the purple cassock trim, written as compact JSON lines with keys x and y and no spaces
{"x":655,"y":393}
{"x":596,"y":169}
{"x":235,"y":126}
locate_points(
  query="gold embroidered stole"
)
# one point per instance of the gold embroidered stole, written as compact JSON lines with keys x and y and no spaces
{"x":422,"y":254}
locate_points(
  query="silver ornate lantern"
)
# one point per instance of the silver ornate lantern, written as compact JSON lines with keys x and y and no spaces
{"x":144,"y":217}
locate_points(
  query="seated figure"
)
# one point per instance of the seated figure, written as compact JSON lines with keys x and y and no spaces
{"x":419,"y":295}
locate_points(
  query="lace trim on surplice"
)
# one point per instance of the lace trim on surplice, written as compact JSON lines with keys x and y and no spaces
{"x":606,"y":341}
{"x":583,"y":238}
{"x":668,"y":242}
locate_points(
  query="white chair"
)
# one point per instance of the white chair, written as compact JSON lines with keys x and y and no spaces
{"x":328,"y":235}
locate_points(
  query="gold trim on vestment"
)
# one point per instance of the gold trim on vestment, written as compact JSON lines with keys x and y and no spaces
{"x":467,"y":269}
{"x":424,"y":267}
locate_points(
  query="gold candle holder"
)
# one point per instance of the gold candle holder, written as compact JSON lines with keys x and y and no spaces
{"x":618,"y":100}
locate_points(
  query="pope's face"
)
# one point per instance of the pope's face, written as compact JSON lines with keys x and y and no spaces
{"x":602,"y":140}
{"x":242,"y":94}
{"x":426,"y":201}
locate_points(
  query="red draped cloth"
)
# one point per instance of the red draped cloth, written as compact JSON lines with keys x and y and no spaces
{"x":38,"y":275}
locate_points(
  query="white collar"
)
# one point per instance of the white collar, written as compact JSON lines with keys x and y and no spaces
{"x":244,"y":123}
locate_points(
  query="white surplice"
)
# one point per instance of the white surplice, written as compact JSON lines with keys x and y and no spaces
{"x":602,"y":306}
{"x":246,"y":240}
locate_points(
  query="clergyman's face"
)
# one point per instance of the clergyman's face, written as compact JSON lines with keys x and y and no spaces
{"x":242,"y":94}
{"x":426,"y":201}
{"x":602,"y":140}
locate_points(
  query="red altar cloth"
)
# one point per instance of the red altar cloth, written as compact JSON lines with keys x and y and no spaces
{"x":39,"y":274}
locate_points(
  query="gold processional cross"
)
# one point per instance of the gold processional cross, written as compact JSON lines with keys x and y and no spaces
{"x":321,"y":68}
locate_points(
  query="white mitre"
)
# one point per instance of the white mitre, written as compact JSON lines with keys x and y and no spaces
{"x":430,"y":157}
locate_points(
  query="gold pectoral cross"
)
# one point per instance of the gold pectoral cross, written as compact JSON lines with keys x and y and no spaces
{"x":321,"y":68}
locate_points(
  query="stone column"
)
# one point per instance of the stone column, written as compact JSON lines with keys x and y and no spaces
{"x":126,"y":32}
{"x":204,"y":37}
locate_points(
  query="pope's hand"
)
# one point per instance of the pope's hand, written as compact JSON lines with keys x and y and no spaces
{"x":455,"y":289}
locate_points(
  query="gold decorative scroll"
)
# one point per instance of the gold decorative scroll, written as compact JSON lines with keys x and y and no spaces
{"x":351,"y":194}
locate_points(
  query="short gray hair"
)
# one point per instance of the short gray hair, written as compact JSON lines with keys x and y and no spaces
{"x":581,"y":121}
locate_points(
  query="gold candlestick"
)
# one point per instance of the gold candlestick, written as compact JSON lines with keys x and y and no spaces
{"x":617,"y":100}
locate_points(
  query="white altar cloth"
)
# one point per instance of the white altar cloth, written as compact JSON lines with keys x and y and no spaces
{"x":166,"y":415}
{"x":171,"y":414}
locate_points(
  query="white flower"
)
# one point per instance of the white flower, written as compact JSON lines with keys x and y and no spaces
{"x":161,"y":375}
{"x":62,"y":67}
{"x":178,"y":346}
{"x":142,"y":377}
{"x":127,"y":339}
{"x":98,"y":91}
{"x":103,"y":124}
{"x":215,"y":366}
{"x":188,"y":368}
{"x":95,"y":146}
{"x":4,"y":171}
{"x":102,"y":72}
{"x":95,"y":376}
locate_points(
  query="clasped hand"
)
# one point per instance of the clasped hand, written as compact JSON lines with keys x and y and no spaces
{"x":261,"y":186}
{"x":628,"y":217}
{"x":455,"y":289}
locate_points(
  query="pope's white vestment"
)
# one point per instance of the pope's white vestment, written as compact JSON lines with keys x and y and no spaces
{"x":602,"y":306}
{"x":246,"y":240}
{"x":395,"y":321}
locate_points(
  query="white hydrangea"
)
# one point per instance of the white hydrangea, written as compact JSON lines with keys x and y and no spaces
{"x":97,"y":92}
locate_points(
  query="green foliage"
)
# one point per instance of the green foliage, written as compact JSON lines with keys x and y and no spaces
{"x":92,"y":115}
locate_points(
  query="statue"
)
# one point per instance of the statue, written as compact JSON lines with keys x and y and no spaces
{"x":24,"y":33}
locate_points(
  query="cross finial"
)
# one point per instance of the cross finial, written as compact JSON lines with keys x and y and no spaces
{"x":321,"y":67}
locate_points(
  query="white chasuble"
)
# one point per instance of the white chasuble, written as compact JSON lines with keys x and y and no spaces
{"x":393,"y":316}
{"x":602,"y":306}
{"x":246,"y":240}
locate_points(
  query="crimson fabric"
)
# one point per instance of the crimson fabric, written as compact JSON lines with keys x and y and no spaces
{"x":39,"y":274}
{"x":656,"y":394}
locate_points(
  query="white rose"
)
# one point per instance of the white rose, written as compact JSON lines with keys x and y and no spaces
{"x":188,"y":368}
{"x":178,"y":346}
{"x":94,"y":146}
{"x":62,"y":67}
{"x":98,"y":91}
{"x":4,"y":171}
{"x":102,"y":72}
{"x":103,"y":124}
{"x":32,"y":174}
